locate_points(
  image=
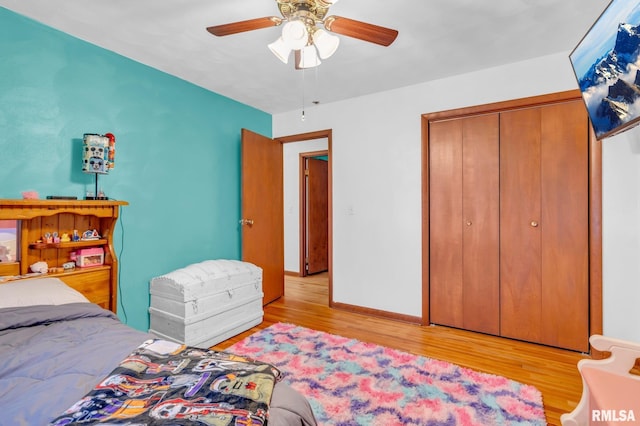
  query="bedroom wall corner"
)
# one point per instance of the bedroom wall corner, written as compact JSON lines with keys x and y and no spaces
{"x":376,"y":173}
{"x":177,"y":149}
{"x":621,"y":235}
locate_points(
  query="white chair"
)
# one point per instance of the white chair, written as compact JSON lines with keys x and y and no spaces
{"x":610,"y":393}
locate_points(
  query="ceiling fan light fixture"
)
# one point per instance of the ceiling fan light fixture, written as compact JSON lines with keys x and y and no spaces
{"x":308,"y":57}
{"x":326,"y":43}
{"x":281,"y":50}
{"x":295,"y":34}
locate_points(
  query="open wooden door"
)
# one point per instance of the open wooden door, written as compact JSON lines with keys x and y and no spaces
{"x":317,"y":226}
{"x":263,"y":210}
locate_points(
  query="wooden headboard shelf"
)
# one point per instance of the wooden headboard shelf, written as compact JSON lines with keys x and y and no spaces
{"x":37,"y":217}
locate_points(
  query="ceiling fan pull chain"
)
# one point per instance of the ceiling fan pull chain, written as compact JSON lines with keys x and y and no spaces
{"x":316,"y":91}
{"x":303,"y":89}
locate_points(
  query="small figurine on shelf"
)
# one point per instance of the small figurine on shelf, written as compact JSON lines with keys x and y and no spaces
{"x":47,"y":238}
{"x":56,"y":238}
{"x":76,"y":236}
{"x":69,"y":265}
{"x":39,"y":267}
{"x":90,"y":235}
{"x":65,"y":238}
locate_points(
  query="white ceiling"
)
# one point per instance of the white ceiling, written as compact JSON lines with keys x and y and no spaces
{"x":437,"y":38}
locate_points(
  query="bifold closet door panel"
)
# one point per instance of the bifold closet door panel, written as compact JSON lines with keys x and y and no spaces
{"x":464,"y":223}
{"x":544,"y":240}
{"x":509,"y":202}
{"x":445,"y":215}
{"x":481,"y":223}
{"x":520,"y":225}
{"x":565,"y":225}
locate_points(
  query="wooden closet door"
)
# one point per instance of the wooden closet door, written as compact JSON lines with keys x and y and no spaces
{"x":565,"y":225}
{"x":520,"y":225}
{"x":464,"y":214}
{"x":481,"y":223}
{"x":445,"y":215}
{"x":544,"y":240}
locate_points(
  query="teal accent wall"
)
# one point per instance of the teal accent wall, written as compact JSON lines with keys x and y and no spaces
{"x":177,"y":149}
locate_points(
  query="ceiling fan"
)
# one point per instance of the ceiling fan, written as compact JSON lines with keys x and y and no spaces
{"x":301,"y":32}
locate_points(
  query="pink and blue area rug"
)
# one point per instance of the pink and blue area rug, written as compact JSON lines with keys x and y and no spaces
{"x":349,"y":382}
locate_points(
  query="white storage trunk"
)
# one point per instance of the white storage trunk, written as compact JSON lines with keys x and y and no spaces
{"x":206,"y":303}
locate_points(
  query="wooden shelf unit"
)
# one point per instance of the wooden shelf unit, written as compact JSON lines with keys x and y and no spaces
{"x":37,"y":217}
{"x":72,"y":244}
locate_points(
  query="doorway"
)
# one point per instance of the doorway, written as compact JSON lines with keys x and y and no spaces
{"x":314,"y":213}
{"x":293,"y":263}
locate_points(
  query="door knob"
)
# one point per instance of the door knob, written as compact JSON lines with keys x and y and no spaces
{"x":246,"y":222}
{"x":534,"y":223}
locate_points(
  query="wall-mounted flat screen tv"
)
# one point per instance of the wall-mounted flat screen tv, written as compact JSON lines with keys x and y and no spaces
{"x":606,"y":63}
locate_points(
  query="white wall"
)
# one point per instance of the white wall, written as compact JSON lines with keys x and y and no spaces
{"x":621,"y":235}
{"x":377,"y":191}
{"x":291,"y":160}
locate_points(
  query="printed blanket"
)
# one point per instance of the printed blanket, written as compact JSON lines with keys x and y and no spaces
{"x":166,"y":383}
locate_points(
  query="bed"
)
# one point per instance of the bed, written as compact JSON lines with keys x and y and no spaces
{"x":67,"y":361}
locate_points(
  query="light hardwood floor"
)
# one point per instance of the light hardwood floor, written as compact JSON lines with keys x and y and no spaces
{"x":553,"y":371}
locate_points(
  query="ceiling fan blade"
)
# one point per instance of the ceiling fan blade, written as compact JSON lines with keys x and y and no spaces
{"x":242,"y":26}
{"x":360,"y":30}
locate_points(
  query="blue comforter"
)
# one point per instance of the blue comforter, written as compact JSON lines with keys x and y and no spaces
{"x":45,"y":369}
{"x":40,"y":376}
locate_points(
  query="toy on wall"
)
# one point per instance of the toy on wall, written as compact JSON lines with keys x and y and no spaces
{"x":111,"y":156}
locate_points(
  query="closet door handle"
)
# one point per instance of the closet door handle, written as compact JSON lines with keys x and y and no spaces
{"x":246,"y":222}
{"x":534,"y":223}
